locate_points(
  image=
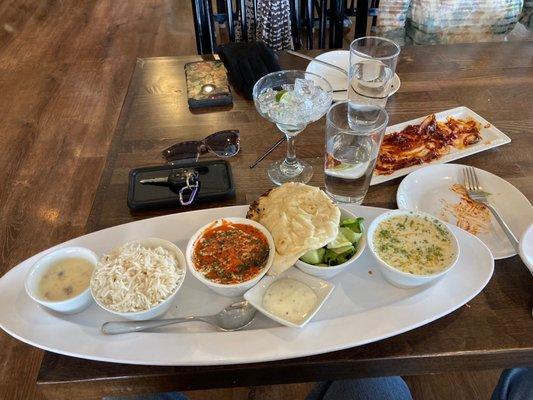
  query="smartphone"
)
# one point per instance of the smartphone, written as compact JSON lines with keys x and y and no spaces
{"x":207,"y":84}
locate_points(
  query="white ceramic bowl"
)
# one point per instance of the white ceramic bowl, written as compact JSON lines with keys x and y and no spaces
{"x":321,"y":288}
{"x":330,"y":272}
{"x":237,"y":289}
{"x":70,"y":306}
{"x":162,"y":307}
{"x":396,"y":276}
{"x":526,"y":248}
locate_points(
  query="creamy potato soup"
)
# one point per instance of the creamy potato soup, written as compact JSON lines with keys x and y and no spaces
{"x":65,"y":279}
{"x":414,"y":244}
{"x":290,"y":299}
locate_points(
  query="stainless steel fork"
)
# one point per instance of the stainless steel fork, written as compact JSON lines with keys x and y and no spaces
{"x":476,"y":193}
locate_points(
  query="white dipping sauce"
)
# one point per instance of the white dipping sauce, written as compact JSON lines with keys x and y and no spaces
{"x":290,"y":299}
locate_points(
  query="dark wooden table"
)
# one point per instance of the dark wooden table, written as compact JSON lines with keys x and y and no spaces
{"x":495,"y":330}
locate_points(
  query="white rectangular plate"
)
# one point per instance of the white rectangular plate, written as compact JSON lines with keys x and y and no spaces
{"x":491,"y":137}
{"x":363,"y":308}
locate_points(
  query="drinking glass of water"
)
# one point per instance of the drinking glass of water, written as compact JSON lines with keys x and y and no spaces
{"x":351,"y":151}
{"x":370,"y":76}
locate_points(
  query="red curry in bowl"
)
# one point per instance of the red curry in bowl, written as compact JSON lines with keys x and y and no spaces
{"x":230,"y":253}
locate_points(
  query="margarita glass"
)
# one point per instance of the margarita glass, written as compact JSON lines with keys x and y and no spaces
{"x":291,"y":99}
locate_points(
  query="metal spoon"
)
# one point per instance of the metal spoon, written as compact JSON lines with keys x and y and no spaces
{"x":232,"y":318}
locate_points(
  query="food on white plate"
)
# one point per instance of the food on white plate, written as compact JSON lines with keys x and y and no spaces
{"x":136,"y":278}
{"x":469,"y":215}
{"x":290,"y":299}
{"x":418,"y":245}
{"x":65,"y":279}
{"x":340,"y":249}
{"x":299,"y":218}
{"x":425,"y":142}
{"x":230,"y":253}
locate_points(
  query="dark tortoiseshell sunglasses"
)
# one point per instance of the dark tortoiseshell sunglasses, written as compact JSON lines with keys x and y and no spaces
{"x":222,"y":144}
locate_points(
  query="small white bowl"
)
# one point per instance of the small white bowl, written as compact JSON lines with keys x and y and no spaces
{"x":73,"y":305}
{"x":162,"y":307}
{"x":321,"y":288}
{"x":526,"y":248}
{"x":236,"y":289}
{"x":396,"y":276}
{"x":326,"y":272}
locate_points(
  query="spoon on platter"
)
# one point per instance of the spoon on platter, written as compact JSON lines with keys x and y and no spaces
{"x":232,"y":318}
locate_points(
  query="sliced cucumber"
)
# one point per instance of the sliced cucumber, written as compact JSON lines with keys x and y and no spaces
{"x":344,"y":249}
{"x":355,"y":224}
{"x":313,"y":256}
{"x":339,"y":241}
{"x":352,"y":236}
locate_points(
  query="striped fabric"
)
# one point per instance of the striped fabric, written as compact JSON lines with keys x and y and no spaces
{"x":272,"y":25}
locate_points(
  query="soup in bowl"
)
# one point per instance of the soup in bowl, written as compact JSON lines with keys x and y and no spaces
{"x":412,"y":248}
{"x":60,"y":280}
{"x":230,"y":255}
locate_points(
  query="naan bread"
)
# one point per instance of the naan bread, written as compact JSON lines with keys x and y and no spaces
{"x":299,"y":217}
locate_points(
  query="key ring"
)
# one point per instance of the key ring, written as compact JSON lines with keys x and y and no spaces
{"x":191,"y":187}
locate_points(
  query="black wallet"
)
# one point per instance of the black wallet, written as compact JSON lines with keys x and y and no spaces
{"x":214,"y":178}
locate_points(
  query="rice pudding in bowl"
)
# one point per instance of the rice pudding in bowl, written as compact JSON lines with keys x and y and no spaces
{"x":412,"y":248}
{"x":139,"y":279}
{"x":230,"y":255}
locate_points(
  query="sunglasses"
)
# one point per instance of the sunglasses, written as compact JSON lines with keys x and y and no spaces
{"x":222,"y":144}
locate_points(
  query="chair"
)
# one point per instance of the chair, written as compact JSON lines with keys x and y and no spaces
{"x":306,"y":14}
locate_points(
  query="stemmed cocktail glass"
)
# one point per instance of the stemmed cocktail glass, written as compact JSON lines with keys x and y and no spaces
{"x":291,"y":99}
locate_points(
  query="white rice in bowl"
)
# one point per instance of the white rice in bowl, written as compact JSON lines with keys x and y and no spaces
{"x":136,"y":278}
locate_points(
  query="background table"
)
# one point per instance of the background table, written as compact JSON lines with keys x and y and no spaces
{"x":494,"y":330}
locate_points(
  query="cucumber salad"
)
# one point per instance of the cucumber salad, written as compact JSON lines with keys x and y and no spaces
{"x":341,"y":249}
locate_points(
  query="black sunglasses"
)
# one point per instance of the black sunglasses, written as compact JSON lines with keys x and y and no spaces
{"x":222,"y":144}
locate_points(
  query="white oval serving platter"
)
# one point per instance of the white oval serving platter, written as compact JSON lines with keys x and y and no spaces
{"x":363,"y":308}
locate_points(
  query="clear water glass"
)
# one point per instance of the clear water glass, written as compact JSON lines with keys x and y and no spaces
{"x":371,"y":71}
{"x":351,"y":151}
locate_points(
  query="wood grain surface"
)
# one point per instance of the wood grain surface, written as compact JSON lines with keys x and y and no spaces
{"x":493,"y":331}
{"x":65,"y":67}
{"x":65,"y":71}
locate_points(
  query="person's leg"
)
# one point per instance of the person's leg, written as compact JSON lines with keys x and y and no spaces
{"x":158,"y":396}
{"x":515,"y":384}
{"x":319,"y":390}
{"x":387,"y":388}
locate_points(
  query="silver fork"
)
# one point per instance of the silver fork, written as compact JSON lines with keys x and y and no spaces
{"x":476,"y":193}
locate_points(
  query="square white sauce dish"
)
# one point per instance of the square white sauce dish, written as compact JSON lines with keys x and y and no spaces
{"x":291,"y":298}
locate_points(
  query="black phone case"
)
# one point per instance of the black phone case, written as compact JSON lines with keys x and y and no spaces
{"x":215,"y":177}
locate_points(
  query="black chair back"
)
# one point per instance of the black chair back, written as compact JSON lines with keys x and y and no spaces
{"x":316,"y":14}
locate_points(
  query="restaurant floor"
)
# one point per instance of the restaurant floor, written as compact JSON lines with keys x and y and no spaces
{"x":64,"y":71}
